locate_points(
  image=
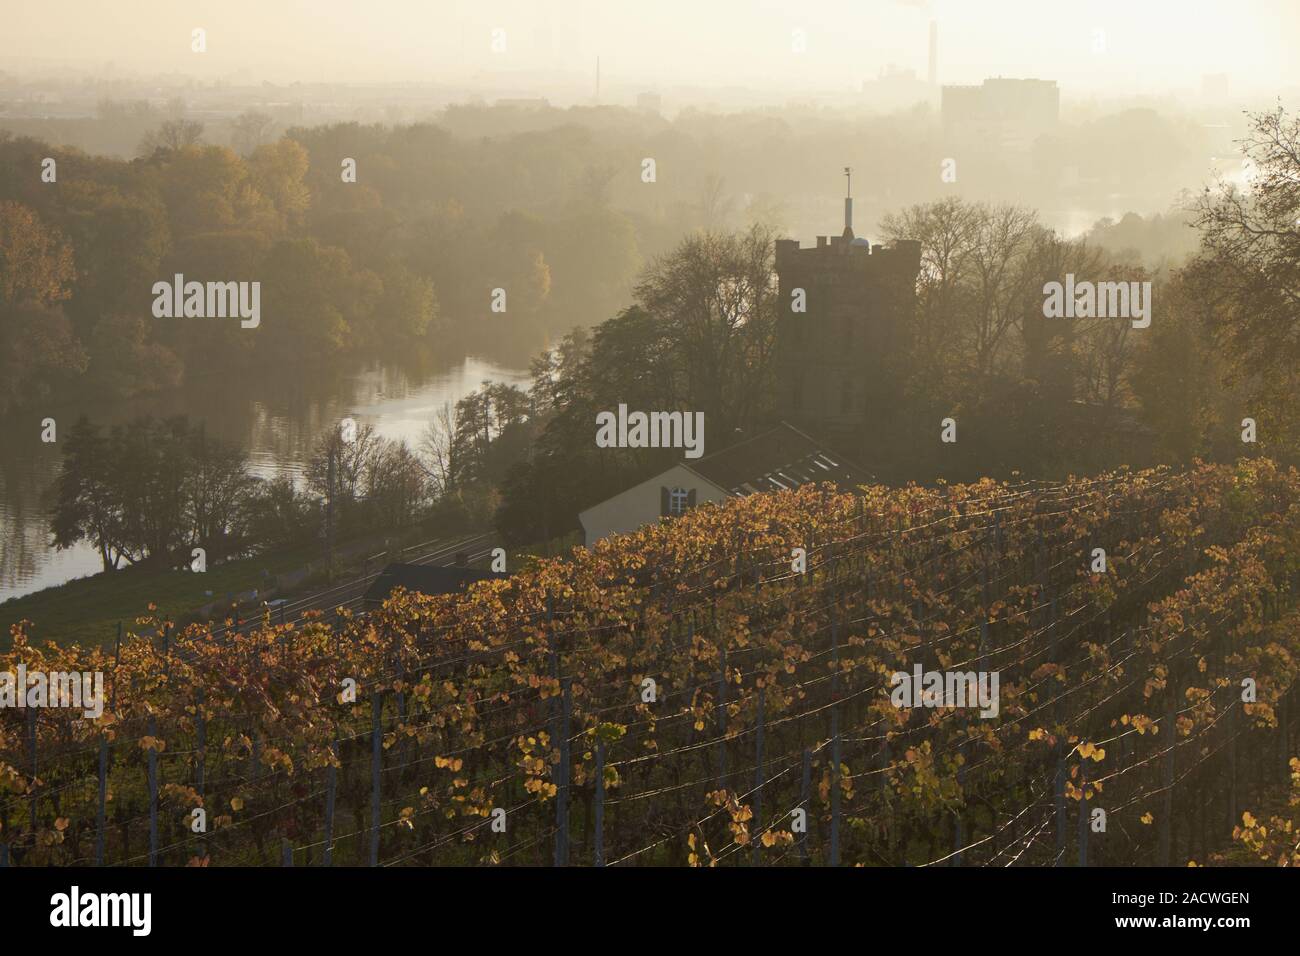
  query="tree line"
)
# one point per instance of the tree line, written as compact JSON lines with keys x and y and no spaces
{"x":1041,"y":396}
{"x":150,"y":491}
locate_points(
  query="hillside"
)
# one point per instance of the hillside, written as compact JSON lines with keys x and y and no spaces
{"x":691,"y":695}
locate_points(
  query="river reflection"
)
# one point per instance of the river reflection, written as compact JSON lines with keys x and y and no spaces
{"x":276,"y":418}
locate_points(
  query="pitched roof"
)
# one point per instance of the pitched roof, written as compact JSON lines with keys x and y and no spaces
{"x":775,"y":460}
{"x":425,"y":579}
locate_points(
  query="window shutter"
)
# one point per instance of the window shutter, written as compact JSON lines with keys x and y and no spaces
{"x":664,"y":504}
{"x":690,"y":498}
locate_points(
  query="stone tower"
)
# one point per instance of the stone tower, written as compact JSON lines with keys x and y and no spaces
{"x":835,"y":359}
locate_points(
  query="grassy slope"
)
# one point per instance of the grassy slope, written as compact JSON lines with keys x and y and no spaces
{"x":87,"y":610}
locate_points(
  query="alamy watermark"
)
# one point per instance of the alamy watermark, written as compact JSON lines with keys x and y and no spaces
{"x":82,"y":691}
{"x":208,"y":300}
{"x":75,"y":908}
{"x":651,"y":430}
{"x":1098,"y":300}
{"x":924,"y":688}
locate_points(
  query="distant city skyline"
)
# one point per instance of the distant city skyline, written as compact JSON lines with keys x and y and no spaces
{"x":779,"y":47}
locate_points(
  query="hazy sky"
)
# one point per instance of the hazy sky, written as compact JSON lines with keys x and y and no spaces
{"x":1150,"y":45}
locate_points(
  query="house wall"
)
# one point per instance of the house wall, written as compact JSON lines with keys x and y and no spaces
{"x":639,"y":505}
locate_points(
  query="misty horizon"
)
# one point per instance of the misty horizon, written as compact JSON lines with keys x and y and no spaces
{"x":776,"y":51}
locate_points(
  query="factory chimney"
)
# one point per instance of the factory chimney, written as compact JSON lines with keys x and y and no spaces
{"x":848,"y":203}
{"x":934,"y":52}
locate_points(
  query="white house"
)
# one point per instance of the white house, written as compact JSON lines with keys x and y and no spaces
{"x":781,"y":458}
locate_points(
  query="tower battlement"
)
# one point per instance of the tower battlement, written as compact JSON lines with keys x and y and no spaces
{"x":850,"y":254}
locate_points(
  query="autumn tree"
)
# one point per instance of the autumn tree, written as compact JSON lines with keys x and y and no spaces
{"x":250,"y":129}
{"x":87,"y":507}
{"x":1249,"y":268}
{"x":170,"y":136}
{"x":38,"y":345}
{"x":35,"y":261}
{"x":150,"y":490}
{"x":713,"y":298}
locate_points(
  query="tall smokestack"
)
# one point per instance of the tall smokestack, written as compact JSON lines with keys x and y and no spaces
{"x":848,"y":203}
{"x":934,"y":52}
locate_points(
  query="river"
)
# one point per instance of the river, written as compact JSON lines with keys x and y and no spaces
{"x":276,"y":419}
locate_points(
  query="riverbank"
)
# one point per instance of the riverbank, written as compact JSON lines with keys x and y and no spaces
{"x":87,"y":610}
{"x":278,"y":421}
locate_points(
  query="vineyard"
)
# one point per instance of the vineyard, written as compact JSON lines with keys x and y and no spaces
{"x":693,"y":695}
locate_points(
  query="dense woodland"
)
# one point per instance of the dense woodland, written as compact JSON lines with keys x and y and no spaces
{"x":548,"y":204}
{"x":405,"y":259}
{"x":398,"y":263}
